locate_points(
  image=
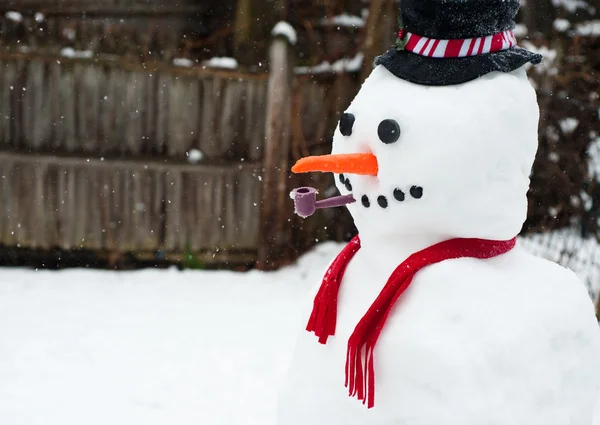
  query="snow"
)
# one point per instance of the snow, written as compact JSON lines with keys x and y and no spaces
{"x":133,"y":348}
{"x":69,"y":33}
{"x":342,"y":65}
{"x":520,"y":30}
{"x":344,"y":20}
{"x":39,"y":17}
{"x":185,"y":62}
{"x":568,"y":125}
{"x":593,"y":152}
{"x":561,"y":25}
{"x":572,"y":6}
{"x":284,"y":29}
{"x":548,"y":64}
{"x":221,"y":62}
{"x":70,"y":52}
{"x":591,"y":28}
{"x":149,"y":347}
{"x":13,"y":16}
{"x":194,"y":156}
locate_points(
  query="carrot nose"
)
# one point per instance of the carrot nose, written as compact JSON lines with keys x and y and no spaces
{"x":354,"y":163}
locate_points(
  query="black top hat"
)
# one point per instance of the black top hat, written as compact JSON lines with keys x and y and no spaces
{"x":445,"y":42}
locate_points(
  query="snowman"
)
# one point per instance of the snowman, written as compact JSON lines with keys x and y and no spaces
{"x":433,"y":314}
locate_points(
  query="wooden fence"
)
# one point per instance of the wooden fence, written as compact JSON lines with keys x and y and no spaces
{"x":102,"y":155}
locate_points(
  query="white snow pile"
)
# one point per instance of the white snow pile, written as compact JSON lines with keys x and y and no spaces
{"x":155,"y":347}
{"x":342,"y":65}
{"x":11,"y":15}
{"x":221,"y":62}
{"x":284,"y":29}
{"x":194,"y":156}
{"x":69,"y":52}
{"x":184,"y":62}
{"x":149,"y":347}
{"x":588,"y":29}
{"x":344,"y":20}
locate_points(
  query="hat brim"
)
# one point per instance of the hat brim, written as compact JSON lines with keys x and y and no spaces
{"x":429,"y":71}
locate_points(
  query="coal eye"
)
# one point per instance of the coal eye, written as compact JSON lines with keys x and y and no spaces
{"x":388,"y":131}
{"x":346,"y":124}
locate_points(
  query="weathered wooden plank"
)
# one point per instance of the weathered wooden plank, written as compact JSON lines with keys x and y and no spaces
{"x":158,"y":203}
{"x":126,"y":210}
{"x":138,"y":208}
{"x":119,"y":118}
{"x":150,"y":112}
{"x":67,"y":138}
{"x":88,"y":107}
{"x":230,"y":119}
{"x":80,"y":209}
{"x":16,"y":86}
{"x":117,"y":210}
{"x":112,"y":119}
{"x":248,"y":209}
{"x":4,"y":106}
{"x":37,"y":113}
{"x":196,"y":210}
{"x":210,"y":141}
{"x":133,"y":109}
{"x":230,"y":218}
{"x":38,"y":224}
{"x":50,"y":207}
{"x":204,"y":211}
{"x":255,"y":118}
{"x":94,"y":237}
{"x":162,"y":115}
{"x":54,"y":89}
{"x":188,"y":216}
{"x":107,"y":88}
{"x":151,"y":226}
{"x":105,"y":201}
{"x":182,"y":116}
{"x":8,"y":201}
{"x":173,"y":205}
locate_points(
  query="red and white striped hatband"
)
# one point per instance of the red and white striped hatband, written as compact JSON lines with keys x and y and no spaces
{"x":458,"y":48}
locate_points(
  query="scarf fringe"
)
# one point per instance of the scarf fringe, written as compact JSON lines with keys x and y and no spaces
{"x":323,"y":318}
{"x":360,"y":357}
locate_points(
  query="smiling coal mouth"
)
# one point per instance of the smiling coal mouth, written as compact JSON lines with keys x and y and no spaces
{"x":398,"y":194}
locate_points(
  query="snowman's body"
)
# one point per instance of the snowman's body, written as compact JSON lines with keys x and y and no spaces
{"x":510,"y":340}
{"x":509,"y":343}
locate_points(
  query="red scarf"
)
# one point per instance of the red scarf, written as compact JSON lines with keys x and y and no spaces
{"x":360,"y":378}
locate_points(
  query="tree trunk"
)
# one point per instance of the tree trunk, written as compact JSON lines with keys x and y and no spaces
{"x":538,"y":17}
{"x":375,"y":31}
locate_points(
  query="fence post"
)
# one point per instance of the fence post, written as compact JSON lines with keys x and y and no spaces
{"x":275,"y":202}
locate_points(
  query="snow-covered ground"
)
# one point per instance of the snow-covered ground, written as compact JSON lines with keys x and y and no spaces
{"x":150,"y":347}
{"x":156,"y":347}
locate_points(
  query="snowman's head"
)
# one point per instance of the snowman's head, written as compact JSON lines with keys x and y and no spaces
{"x":451,"y":161}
